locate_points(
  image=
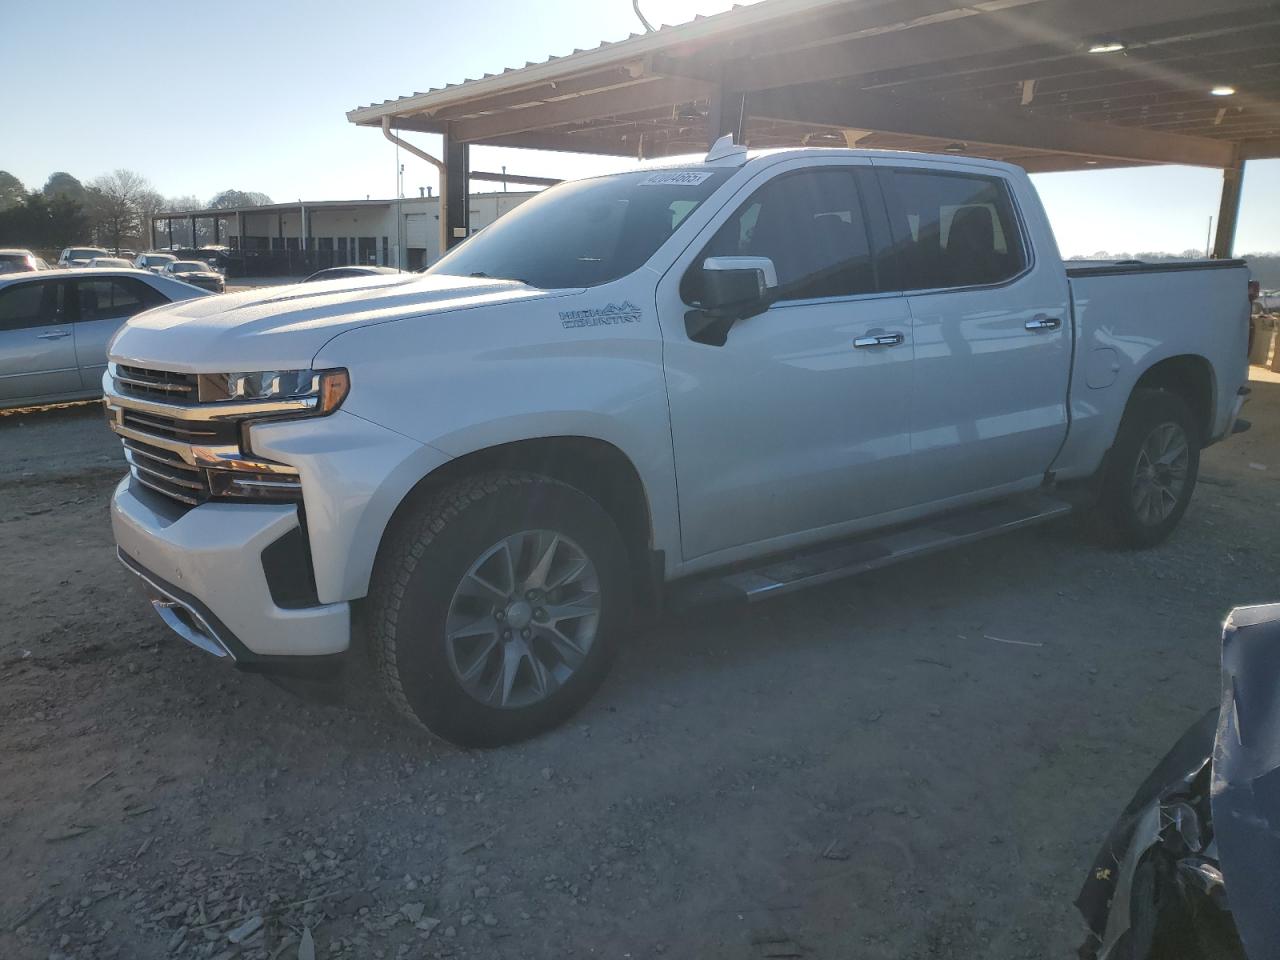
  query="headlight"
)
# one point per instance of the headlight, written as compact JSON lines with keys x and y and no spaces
{"x":305,"y":392}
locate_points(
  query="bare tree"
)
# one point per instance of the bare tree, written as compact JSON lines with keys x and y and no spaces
{"x":118,"y":203}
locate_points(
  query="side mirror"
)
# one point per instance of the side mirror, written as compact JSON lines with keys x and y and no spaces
{"x":733,"y":288}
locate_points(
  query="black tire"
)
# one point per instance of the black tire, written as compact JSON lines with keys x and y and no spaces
{"x":422,"y":563}
{"x":1119,"y":513}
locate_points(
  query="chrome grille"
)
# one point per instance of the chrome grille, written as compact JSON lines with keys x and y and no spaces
{"x":156,"y":384}
{"x":166,"y":472}
{"x":185,"y":431}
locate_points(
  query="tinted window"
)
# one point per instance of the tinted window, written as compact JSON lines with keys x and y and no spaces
{"x":953,"y":230}
{"x":26,"y":305}
{"x":114,"y":297}
{"x":584,"y":233}
{"x":811,"y":225}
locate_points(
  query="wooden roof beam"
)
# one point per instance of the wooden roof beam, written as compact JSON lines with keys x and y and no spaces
{"x":1064,"y":25}
{"x":975,"y":123}
{"x":592,"y":106}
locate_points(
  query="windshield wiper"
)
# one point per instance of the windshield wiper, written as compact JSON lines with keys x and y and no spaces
{"x":481,"y":275}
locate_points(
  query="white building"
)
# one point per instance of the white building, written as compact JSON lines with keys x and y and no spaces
{"x":295,"y":238}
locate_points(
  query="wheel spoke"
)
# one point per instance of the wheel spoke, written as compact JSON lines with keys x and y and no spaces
{"x":537,"y":578}
{"x":571,"y":573}
{"x":1175,"y":452}
{"x":511,"y":560}
{"x":569,"y":651}
{"x":479,"y":627}
{"x":491,"y":591}
{"x":512,"y":654}
{"x":544,"y":682}
{"x":474,"y":672}
{"x":584,"y":607}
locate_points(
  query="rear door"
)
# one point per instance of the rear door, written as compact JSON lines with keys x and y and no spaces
{"x":37,"y":346}
{"x":990,"y":325}
{"x":101,"y":305}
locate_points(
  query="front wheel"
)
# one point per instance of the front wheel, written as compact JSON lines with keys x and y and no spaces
{"x":1152,"y":469}
{"x":495,"y":608}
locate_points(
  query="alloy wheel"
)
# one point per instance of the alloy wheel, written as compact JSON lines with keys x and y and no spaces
{"x":523,"y":619}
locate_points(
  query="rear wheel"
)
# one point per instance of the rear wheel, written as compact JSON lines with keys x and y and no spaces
{"x":1152,"y":469}
{"x":495,"y":607}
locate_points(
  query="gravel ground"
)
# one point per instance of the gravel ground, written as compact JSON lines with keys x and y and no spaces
{"x":919,"y":763}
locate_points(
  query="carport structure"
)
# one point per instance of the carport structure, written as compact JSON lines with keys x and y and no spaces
{"x":1047,"y":84}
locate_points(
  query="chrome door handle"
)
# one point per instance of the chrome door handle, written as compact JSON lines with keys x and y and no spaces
{"x":879,"y":340}
{"x":56,"y":335}
{"x":1043,"y":323}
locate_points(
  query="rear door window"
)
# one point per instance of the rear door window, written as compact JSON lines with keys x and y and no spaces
{"x":952,"y":229}
{"x":110,"y":298}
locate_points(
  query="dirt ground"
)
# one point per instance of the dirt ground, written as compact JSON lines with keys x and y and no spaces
{"x":919,"y":763}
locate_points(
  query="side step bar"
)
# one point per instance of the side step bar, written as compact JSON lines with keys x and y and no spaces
{"x":824,"y":564}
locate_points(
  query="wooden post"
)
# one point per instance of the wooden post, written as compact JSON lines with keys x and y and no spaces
{"x":1229,"y":209}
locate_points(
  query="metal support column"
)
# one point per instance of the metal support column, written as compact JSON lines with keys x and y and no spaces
{"x":1229,"y":209}
{"x":726,"y":113}
{"x":169,"y":223}
{"x":455,"y":200}
{"x":193,"y":232}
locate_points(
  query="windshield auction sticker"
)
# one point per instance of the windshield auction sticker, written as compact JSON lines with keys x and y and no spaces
{"x":675,"y":178}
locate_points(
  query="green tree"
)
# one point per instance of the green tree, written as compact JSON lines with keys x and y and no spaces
{"x":63,"y":184}
{"x":12,"y":191}
{"x":239,"y":198}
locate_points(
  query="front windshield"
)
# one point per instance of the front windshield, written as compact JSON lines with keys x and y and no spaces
{"x":189,"y":266}
{"x":151,"y":261}
{"x":586,"y":232}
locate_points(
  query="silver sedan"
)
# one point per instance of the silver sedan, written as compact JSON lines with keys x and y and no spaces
{"x":54,"y":328}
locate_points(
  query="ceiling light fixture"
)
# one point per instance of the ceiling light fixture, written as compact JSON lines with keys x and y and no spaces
{"x":1107,"y":46}
{"x":1223,"y":91}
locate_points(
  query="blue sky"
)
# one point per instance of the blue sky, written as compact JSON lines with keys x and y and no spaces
{"x":260,"y":90}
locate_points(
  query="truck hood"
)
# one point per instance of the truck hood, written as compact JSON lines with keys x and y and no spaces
{"x":284,"y":327}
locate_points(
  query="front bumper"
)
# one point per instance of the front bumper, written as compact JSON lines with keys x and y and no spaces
{"x":204,"y":566}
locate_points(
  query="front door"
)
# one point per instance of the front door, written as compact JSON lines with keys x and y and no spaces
{"x":990,"y":325}
{"x":101,"y":305}
{"x":789,"y":429}
{"x":37,"y":346}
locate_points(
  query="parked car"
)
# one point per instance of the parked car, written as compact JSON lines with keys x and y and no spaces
{"x":79,"y":256}
{"x":689,"y":383}
{"x":108,"y":263}
{"x":18,"y":261}
{"x":54,"y":328}
{"x":197,"y":273}
{"x":341,"y":273}
{"x":153,"y":261}
{"x":215,"y":257}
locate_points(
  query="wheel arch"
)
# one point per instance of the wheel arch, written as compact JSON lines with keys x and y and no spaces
{"x":595,"y":467}
{"x":1191,"y":378}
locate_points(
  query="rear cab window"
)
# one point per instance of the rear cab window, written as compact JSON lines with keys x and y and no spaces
{"x":952,"y":229}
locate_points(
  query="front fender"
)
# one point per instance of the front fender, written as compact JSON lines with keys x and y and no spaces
{"x":466,"y":381}
{"x":354,"y":475}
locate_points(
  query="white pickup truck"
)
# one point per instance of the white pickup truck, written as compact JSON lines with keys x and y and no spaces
{"x":746,"y":374}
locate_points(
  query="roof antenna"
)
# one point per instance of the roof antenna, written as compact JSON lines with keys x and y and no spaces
{"x":635,"y":5}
